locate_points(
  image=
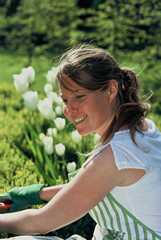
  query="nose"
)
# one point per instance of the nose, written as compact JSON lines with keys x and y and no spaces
{"x":69,"y":109}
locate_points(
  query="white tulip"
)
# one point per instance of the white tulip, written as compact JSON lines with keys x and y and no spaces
{"x":49,"y":132}
{"x":47,"y":141}
{"x":59,"y":101}
{"x":71,"y":167}
{"x":20,"y":82}
{"x":60,"y":123}
{"x":96,"y":138}
{"x":48,"y":144}
{"x":58,"y":110}
{"x":53,"y":96}
{"x":49,"y":149}
{"x":41,"y":136}
{"x":46,"y":108}
{"x":60,"y":149}
{"x":30,"y":73}
{"x":55,"y":70}
{"x":51,"y":75}
{"x":52,"y":132}
{"x":76,"y":136}
{"x":30,"y":100}
{"x":48,"y":88}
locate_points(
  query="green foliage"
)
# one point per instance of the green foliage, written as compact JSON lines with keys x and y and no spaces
{"x":36,"y":27}
{"x":130,"y":25}
{"x":148,"y":71}
{"x":151,"y":81}
{"x":39,"y":26}
{"x":157,"y":119}
{"x":16,"y":169}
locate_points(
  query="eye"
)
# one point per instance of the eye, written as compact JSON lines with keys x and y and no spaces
{"x":79,"y":96}
{"x":64,"y":101}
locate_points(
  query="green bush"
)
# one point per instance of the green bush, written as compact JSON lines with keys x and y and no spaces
{"x":16,"y":169}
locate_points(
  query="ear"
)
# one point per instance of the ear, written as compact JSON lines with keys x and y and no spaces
{"x":112,"y":89}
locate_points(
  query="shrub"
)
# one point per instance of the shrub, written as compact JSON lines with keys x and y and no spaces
{"x":16,"y":169}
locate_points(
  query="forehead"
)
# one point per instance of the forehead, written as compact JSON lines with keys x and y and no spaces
{"x":70,"y":85}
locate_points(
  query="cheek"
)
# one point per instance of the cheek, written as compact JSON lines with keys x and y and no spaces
{"x":65,"y":110}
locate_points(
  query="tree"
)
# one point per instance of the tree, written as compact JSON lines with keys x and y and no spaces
{"x":132,"y":25}
{"x":38,"y":26}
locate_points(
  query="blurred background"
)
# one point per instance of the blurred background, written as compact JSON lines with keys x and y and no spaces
{"x":35,"y":33}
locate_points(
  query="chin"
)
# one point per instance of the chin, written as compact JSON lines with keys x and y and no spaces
{"x":83,"y":133}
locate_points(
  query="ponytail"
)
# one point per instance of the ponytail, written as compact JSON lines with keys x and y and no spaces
{"x":131,"y":109}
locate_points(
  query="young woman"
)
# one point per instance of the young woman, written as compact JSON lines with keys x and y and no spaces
{"x":120,"y":183}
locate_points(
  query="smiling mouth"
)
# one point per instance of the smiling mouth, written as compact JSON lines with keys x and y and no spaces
{"x":77,"y":120}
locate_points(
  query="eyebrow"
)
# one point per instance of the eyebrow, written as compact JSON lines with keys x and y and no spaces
{"x":77,"y":90}
{"x":74,"y":91}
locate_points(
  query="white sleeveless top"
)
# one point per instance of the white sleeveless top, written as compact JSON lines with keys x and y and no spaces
{"x":133,"y":212}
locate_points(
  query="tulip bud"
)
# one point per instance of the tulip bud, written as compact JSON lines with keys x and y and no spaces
{"x":46,"y":108}
{"x":51,"y":75}
{"x":30,"y":74}
{"x":41,"y":136}
{"x":49,"y":149}
{"x":47,"y":140}
{"x":48,"y":88}
{"x":76,"y":136}
{"x":60,"y":149}
{"x":30,"y":100}
{"x":58,"y":110}
{"x":20,"y":82}
{"x":55,"y":70}
{"x":53,"y":96}
{"x":48,"y":144}
{"x":49,"y":132}
{"x":52,"y":132}
{"x":60,"y":123}
{"x":96,"y":138}
{"x":59,"y":101}
{"x":71,"y":167}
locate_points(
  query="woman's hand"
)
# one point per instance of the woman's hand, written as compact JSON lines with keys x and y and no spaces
{"x":22,"y":197}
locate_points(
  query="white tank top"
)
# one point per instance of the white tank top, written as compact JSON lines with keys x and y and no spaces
{"x":133,"y":212}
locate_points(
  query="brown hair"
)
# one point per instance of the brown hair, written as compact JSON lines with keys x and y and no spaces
{"x":92,"y":68}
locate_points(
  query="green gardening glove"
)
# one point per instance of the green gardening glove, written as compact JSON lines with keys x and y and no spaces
{"x":23,"y":197}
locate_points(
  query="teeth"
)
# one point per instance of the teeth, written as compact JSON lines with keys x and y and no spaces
{"x":79,"y":119}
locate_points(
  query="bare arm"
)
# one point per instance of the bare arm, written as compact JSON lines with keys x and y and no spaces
{"x":47,"y":193}
{"x":74,"y":200}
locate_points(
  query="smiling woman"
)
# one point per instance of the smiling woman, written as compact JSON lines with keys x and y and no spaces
{"x":87,"y":110}
{"x":119,"y":184}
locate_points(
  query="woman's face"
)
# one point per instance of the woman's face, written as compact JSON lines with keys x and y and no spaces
{"x":89,"y":111}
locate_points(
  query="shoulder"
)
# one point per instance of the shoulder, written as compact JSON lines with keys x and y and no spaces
{"x":103,"y":167}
